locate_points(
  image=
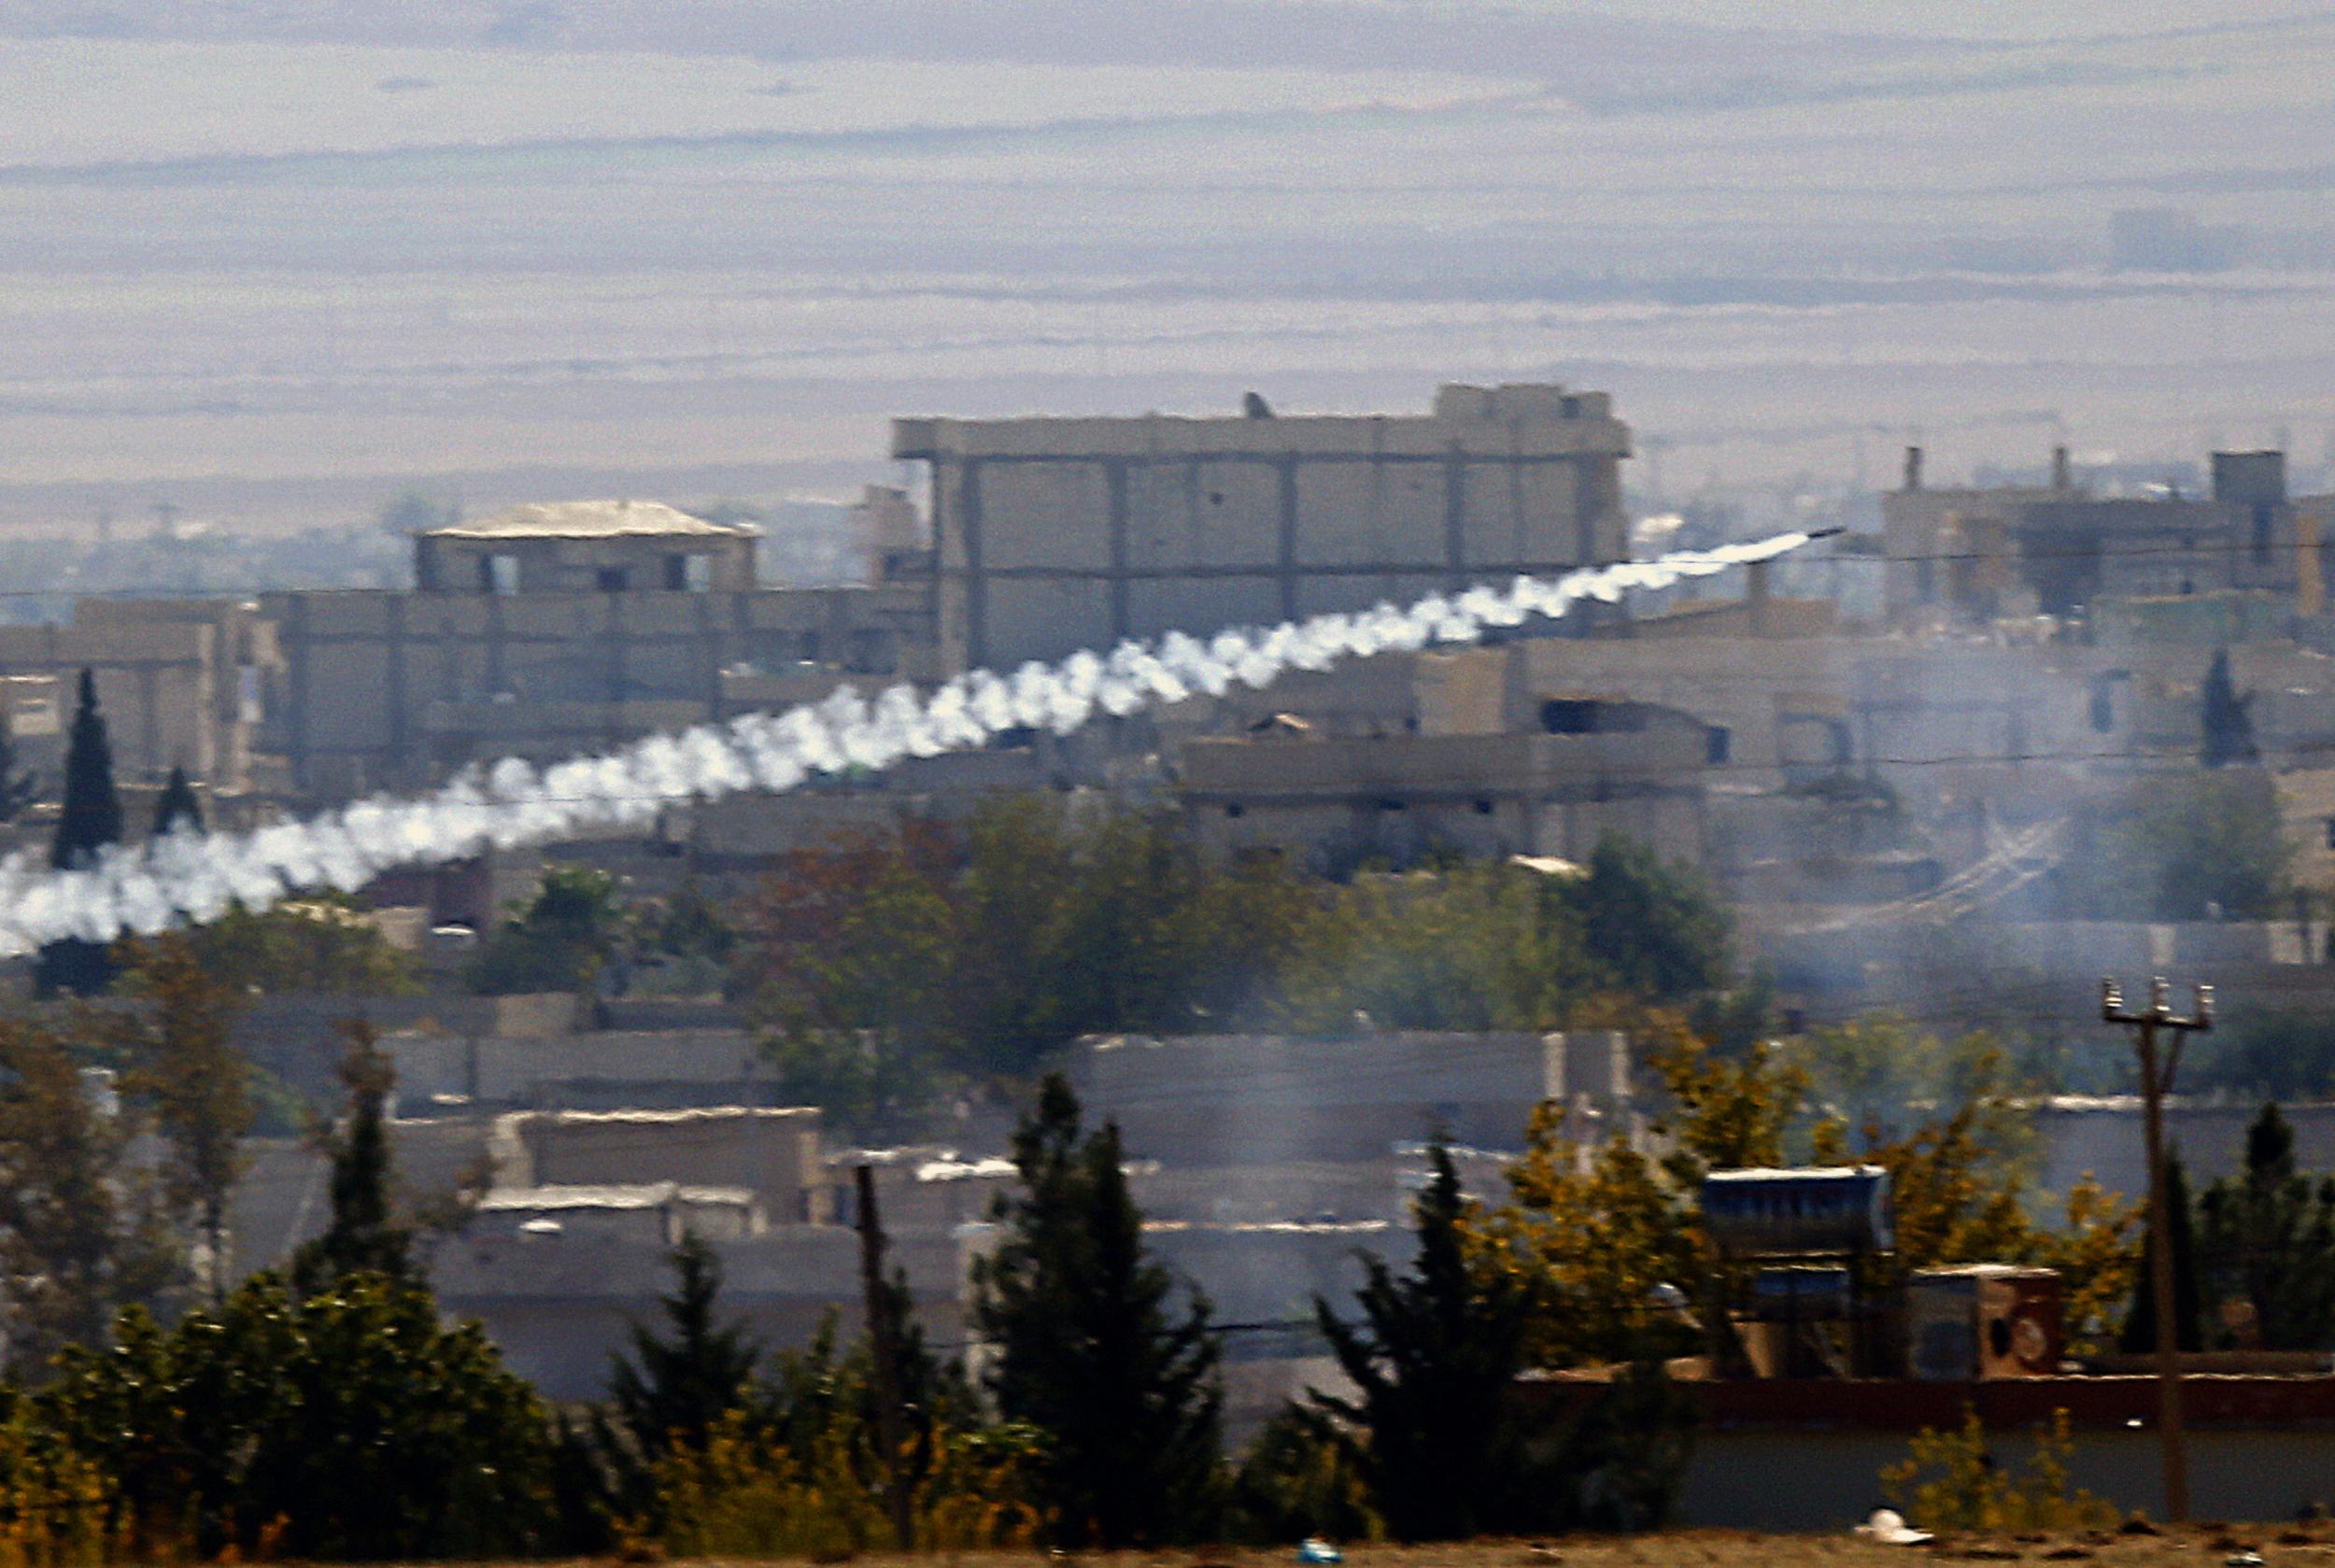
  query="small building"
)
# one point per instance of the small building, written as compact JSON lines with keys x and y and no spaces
{"x":656,"y":1213}
{"x":182,"y":683}
{"x":586,"y":547}
{"x":1590,"y":767}
{"x":770,"y":1152}
{"x":1979,"y":555}
{"x":549,"y":630}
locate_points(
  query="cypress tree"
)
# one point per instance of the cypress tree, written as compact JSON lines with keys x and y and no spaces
{"x":1087,"y":1351}
{"x":2268,"y":1237}
{"x":2227,"y":718}
{"x":364,"y":1236}
{"x":1433,"y":1358}
{"x":672,"y":1391}
{"x":2188,"y":1306}
{"x":177,"y":806}
{"x":91,"y":820}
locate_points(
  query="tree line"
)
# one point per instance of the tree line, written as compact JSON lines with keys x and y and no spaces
{"x":326,"y":1410}
{"x":893,"y":967}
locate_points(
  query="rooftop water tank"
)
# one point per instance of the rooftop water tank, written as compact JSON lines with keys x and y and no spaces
{"x":1824,"y":1210}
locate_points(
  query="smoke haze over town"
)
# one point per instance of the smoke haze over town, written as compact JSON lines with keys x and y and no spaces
{"x":784,"y":781}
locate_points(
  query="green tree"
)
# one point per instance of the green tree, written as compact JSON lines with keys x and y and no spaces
{"x":2267,"y":1237}
{"x":2226,"y":718}
{"x":177,"y":806}
{"x":1948,"y":1121}
{"x":344,"y":1425}
{"x":2139,"y":1337}
{"x":1300,"y":1477}
{"x":2281,"y":1053}
{"x":323,"y":943}
{"x":854,"y":974}
{"x":673,"y":1390}
{"x":1725,"y":1113}
{"x":1653,"y":927}
{"x":1504,"y":947}
{"x":1597,"y":1239}
{"x":1086,"y":1350}
{"x":364,"y":1234}
{"x":1471,"y":948}
{"x":199,"y":1087}
{"x":2175,"y":847}
{"x":87,"y":826}
{"x":885,"y":966}
{"x":81,"y":1234}
{"x":1434,"y":1357}
{"x":560,"y":942}
{"x":687,"y":937}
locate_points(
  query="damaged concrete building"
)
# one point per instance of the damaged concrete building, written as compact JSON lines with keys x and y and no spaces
{"x":1056,"y":534}
{"x":549,"y":630}
{"x":1977,"y":554}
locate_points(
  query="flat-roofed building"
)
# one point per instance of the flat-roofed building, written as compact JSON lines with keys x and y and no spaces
{"x":586,"y":547}
{"x":180,"y":680}
{"x":550,"y":631}
{"x":1589,"y":766}
{"x":1056,"y":534}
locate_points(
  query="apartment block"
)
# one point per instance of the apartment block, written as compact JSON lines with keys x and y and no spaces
{"x":1056,"y":534}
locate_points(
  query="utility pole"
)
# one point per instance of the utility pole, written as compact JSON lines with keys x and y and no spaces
{"x":2157,"y":1070}
{"x":884,"y":1352}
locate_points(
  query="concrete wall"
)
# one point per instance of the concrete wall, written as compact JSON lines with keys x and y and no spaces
{"x":397,"y":689}
{"x":558,"y":1307}
{"x":1269,"y":1272}
{"x":1053,"y":535}
{"x":1828,"y":1480}
{"x":1341,"y":802}
{"x":772,"y":1151}
{"x":2101,"y":1138}
{"x":600,"y":1070}
{"x":301,"y":1037}
{"x":158,"y":686}
{"x":1223,"y":1100}
{"x":459,"y":565}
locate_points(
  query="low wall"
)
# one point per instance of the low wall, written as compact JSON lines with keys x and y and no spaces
{"x":1809,"y":1455}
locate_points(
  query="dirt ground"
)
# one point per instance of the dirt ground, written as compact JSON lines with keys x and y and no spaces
{"x":2205,"y":1546}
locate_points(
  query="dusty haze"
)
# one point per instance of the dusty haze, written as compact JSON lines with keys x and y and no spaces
{"x":268,"y":265}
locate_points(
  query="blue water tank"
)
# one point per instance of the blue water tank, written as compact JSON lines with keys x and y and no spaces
{"x":1818,"y":1211}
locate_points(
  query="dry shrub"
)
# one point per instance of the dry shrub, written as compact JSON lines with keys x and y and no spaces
{"x":57,"y":1509}
{"x":744,"y":1496}
{"x":1950,"y":1482}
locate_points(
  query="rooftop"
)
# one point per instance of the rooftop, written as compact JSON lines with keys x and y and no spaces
{"x":647,"y":1194}
{"x":592,"y":519}
{"x":676,"y":1117}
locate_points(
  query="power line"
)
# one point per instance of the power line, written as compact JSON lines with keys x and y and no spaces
{"x":181,"y":590}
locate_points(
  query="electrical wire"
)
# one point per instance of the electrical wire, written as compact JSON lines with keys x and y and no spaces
{"x":181,"y":591}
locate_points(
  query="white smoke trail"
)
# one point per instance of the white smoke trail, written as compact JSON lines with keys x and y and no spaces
{"x":195,"y":877}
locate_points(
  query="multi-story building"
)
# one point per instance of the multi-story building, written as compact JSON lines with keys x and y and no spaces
{"x":1056,"y":534}
{"x":181,"y":683}
{"x":552,"y":629}
{"x":2056,"y":550}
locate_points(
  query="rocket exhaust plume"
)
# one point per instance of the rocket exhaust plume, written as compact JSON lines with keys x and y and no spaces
{"x":192,"y":878}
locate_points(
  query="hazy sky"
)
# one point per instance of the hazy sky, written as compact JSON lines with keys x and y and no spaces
{"x":269,"y":261}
